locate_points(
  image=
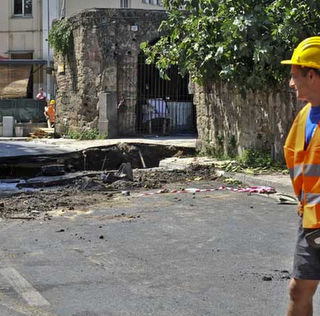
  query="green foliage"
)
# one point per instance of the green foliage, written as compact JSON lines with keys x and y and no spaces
{"x":84,"y":134}
{"x":256,"y":158}
{"x":61,"y":37}
{"x":232,"y":146}
{"x":216,"y":151}
{"x":239,"y":41}
{"x":254,"y":161}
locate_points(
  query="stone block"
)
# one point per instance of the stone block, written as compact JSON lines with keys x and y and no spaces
{"x":108,"y":115}
{"x":18,"y":131}
{"x":8,"y":122}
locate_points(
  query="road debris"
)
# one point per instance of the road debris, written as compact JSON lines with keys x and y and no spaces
{"x":42,"y":133}
{"x":253,"y":189}
{"x":124,"y":173}
{"x":267,"y":278}
{"x":286,"y":199}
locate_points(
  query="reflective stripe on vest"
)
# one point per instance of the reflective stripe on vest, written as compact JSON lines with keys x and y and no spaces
{"x":312,"y":198}
{"x":295,"y":171}
{"x":312,"y":170}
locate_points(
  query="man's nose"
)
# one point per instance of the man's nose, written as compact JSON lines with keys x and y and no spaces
{"x":291,"y":83}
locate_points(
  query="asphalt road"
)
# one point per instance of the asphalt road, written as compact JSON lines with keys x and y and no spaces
{"x":27,"y":149}
{"x":218,"y":253}
{"x":47,"y":146}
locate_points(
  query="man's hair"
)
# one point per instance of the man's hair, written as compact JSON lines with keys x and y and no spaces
{"x":305,"y":70}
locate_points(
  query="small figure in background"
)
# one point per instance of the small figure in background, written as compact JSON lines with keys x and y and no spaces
{"x":122,"y":103}
{"x":41,"y":95}
{"x":50,"y":113}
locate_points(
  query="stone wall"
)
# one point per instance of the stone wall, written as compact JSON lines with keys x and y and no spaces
{"x":105,"y":42}
{"x":234,"y":122}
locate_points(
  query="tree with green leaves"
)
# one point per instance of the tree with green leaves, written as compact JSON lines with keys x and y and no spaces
{"x":238,"y":41}
{"x":61,"y":37}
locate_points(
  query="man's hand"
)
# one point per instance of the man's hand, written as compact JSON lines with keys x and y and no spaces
{"x":300,"y":209}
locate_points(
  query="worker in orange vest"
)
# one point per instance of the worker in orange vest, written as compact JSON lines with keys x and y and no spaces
{"x":302,"y":154}
{"x":50,"y":113}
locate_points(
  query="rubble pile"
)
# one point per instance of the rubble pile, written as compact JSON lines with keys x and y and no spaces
{"x":42,"y":133}
{"x":156,"y":178}
{"x":84,"y":192}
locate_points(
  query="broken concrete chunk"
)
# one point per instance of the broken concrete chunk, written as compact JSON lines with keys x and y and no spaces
{"x":125,"y":170}
{"x":53,"y":170}
{"x":124,"y":173}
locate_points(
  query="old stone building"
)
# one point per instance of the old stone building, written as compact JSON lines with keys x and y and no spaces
{"x":105,"y":83}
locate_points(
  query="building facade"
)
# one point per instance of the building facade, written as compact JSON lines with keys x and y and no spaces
{"x":20,"y":39}
{"x":73,"y":6}
{"x":26,"y":59}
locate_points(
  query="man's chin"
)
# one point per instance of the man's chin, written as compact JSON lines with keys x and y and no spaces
{"x":301,"y":98}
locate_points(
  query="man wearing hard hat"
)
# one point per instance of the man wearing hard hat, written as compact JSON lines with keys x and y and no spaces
{"x":302,"y":154}
{"x":50,"y":113}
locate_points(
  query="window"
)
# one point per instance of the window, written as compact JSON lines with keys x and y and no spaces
{"x":22,"y":7}
{"x":154,"y":2}
{"x":124,"y":4}
{"x":21,"y":55}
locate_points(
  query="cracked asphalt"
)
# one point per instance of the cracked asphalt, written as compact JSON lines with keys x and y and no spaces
{"x":215,"y":253}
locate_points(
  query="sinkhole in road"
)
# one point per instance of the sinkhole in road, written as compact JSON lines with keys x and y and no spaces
{"x":91,"y":159}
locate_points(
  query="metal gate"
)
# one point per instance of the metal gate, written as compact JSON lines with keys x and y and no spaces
{"x":148,"y":104}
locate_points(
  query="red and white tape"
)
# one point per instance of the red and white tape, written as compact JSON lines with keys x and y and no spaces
{"x":255,"y":189}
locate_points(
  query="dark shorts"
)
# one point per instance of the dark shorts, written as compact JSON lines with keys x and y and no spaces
{"x":306,"y":264}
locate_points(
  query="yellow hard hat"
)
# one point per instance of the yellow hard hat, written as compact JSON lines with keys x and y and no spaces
{"x":307,"y":53}
{"x":53,"y":102}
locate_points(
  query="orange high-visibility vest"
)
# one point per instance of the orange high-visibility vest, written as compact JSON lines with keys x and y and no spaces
{"x":51,"y":113}
{"x":304,"y":168}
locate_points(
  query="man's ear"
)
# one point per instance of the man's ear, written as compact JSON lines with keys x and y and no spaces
{"x":310,"y":74}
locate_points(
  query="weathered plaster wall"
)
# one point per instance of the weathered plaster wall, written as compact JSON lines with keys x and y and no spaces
{"x":260,"y":120}
{"x":105,"y":41}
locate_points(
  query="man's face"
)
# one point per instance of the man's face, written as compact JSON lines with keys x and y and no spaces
{"x":300,"y":83}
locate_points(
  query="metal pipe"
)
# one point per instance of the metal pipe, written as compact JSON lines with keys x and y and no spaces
{"x":63,"y":10}
{"x":48,"y":57}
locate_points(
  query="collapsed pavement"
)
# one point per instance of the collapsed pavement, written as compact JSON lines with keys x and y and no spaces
{"x":83,"y":178}
{"x":87,"y":190}
{"x":110,"y":157}
{"x":35,"y":184}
